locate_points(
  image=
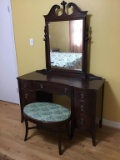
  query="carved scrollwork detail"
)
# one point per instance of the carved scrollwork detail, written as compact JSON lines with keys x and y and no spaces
{"x":53,"y":13}
{"x":45,"y":35}
{"x":87,"y":35}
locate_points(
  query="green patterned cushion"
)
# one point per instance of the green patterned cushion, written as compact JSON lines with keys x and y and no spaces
{"x":47,"y":112}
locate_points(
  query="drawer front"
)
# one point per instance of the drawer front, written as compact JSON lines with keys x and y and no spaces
{"x":82,"y":107}
{"x":83,"y":96}
{"x":53,"y":88}
{"x":83,"y":122}
{"x":26,"y":84}
{"x":27,"y":97}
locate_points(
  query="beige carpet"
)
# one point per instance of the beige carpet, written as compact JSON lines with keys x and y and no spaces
{"x":5,"y":157}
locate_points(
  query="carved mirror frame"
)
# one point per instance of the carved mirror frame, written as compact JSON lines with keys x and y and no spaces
{"x":53,"y":16}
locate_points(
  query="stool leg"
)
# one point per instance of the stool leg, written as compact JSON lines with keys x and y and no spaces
{"x":26,"y":133}
{"x":68,"y":130}
{"x":59,"y":140}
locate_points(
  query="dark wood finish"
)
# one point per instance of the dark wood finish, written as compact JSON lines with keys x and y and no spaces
{"x":52,"y":16}
{"x":86,"y":96}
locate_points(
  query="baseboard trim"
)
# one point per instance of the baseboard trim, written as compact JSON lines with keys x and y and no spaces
{"x":111,"y":123}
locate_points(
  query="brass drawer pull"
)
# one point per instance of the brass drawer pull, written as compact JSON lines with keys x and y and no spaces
{"x":41,"y":86}
{"x":82,"y":96}
{"x":26,"y":96}
{"x":65,"y":90}
{"x":82,"y":107}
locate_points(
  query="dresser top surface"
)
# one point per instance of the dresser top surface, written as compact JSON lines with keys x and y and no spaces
{"x":76,"y":82}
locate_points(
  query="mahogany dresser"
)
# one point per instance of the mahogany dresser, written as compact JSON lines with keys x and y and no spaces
{"x":86,"y":95}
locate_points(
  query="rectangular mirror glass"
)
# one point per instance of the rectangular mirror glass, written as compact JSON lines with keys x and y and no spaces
{"x":66,"y":44}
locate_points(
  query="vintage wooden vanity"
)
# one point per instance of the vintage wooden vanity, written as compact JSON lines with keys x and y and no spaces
{"x":66,"y":69}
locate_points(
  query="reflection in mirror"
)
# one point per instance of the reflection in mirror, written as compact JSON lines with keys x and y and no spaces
{"x":66,"y":41}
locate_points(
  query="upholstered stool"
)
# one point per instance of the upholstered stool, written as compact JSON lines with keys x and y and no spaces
{"x":46,"y":113}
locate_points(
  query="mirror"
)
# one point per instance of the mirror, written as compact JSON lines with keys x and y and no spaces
{"x":66,"y":47}
{"x":66,"y":37}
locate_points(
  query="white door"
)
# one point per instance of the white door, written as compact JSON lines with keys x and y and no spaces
{"x":8,"y":64}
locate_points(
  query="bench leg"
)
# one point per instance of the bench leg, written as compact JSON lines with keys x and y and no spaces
{"x":26,"y":133}
{"x":68,"y":130}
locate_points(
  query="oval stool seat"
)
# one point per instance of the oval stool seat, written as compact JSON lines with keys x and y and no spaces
{"x":47,"y":113}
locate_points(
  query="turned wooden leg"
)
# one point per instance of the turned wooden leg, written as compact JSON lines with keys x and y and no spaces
{"x":26,"y":133}
{"x":68,"y":130}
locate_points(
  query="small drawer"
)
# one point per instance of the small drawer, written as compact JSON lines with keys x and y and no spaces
{"x":28,"y":96}
{"x":83,"y":122}
{"x":26,"y":85}
{"x":83,"y":107}
{"x":82,"y":95}
{"x":53,"y":88}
